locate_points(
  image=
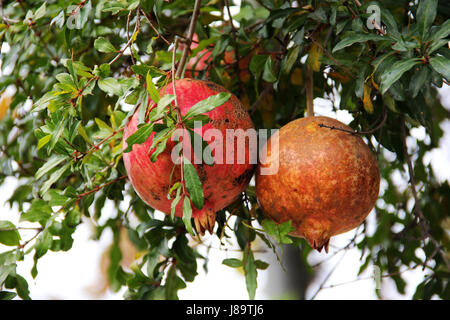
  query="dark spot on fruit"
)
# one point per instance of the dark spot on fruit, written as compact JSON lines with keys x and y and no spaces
{"x":214,"y":86}
{"x":155,"y":196}
{"x":227,"y":120}
{"x":317,"y":199}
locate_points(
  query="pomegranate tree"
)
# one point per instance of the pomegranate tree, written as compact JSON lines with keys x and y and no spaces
{"x":222,"y":182}
{"x":327,"y":180}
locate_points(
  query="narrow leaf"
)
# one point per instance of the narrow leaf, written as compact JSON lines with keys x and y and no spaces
{"x":151,"y":89}
{"x":54,"y":177}
{"x":395,"y":73}
{"x":355,"y":38}
{"x":187,"y":214}
{"x":140,"y":136}
{"x":49,"y":165}
{"x":193,"y":184}
{"x":232,"y":262}
{"x":9,"y":235}
{"x":250,"y":273}
{"x":103,"y":45}
{"x":208,"y":104}
{"x":441,"y":65}
{"x":426,"y":13}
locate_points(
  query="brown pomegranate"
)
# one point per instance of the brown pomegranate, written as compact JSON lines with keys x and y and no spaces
{"x":222,"y":182}
{"x":327,"y":180}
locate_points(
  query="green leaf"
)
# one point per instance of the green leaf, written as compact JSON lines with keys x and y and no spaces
{"x":43,"y":102}
{"x":193,"y":184}
{"x":43,"y":141}
{"x":290,"y":59}
{"x":426,"y":13}
{"x":441,"y":65}
{"x":261,"y":265}
{"x":140,"y":136}
{"x":55,"y":198}
{"x":102,"y":125}
{"x":6,"y":270}
{"x":162,"y":104}
{"x":73,"y":72}
{"x":110,"y":85}
{"x":103,"y":45}
{"x":103,"y":71}
{"x":9,"y":235}
{"x":278,"y":231}
{"x":418,"y":80}
{"x":208,"y":104}
{"x":268,"y":73}
{"x":54,"y":177}
{"x":40,"y":13}
{"x":187,"y":215}
{"x":7,"y":295}
{"x":395,"y":73}
{"x":442,"y":32}
{"x":49,"y":165}
{"x":258,"y":63}
{"x":232,"y":262}
{"x":185,"y":257}
{"x":65,"y":78}
{"x":174,"y":203}
{"x":82,"y":132}
{"x":251,"y":273}
{"x":40,"y":211}
{"x":356,"y":38}
{"x":151,"y":89}
{"x":57,"y":132}
{"x":173,"y":284}
{"x":160,"y":147}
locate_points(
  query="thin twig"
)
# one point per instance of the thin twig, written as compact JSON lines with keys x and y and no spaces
{"x":97,"y":146}
{"x":81,"y":195}
{"x":379,"y":126}
{"x":128,"y":33}
{"x":189,"y":37}
{"x":371,"y":277}
{"x":154,"y":28}
{"x":130,"y":41}
{"x":328,"y":276}
{"x":23,"y":245}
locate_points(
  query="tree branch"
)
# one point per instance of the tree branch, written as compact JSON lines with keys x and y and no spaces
{"x":190,"y":34}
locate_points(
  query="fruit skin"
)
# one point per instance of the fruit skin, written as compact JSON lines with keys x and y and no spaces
{"x":222,"y":183}
{"x":327,"y":182}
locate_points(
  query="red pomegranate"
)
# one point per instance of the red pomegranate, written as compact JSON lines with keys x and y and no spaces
{"x":327,"y":180}
{"x":222,"y":182}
